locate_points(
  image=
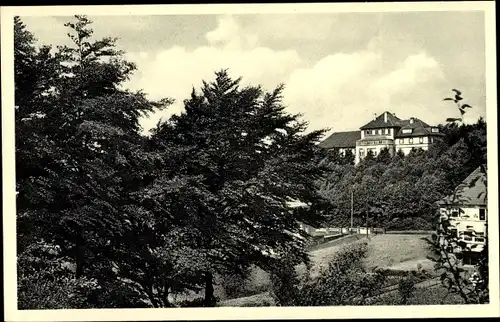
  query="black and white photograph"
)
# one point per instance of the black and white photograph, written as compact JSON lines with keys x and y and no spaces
{"x":281,"y":159}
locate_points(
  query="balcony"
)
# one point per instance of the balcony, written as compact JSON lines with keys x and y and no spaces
{"x":374,"y":141}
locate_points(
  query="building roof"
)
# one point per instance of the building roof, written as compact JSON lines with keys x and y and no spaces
{"x":379,"y":122}
{"x":341,"y":140}
{"x":472,"y":191}
{"x":419,"y":128}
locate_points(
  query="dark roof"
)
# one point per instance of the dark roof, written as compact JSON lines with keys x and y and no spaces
{"x":379,"y":122}
{"x":406,"y":124}
{"x":341,"y":140}
{"x":420,"y":128}
{"x":472,"y":191}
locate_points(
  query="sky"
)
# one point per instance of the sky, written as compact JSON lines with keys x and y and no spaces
{"x":339,"y":69}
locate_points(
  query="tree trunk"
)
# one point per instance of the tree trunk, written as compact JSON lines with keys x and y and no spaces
{"x":166,"y":302}
{"x":209,"y":290}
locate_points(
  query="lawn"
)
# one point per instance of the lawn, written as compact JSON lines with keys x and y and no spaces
{"x":391,"y":251}
{"x":398,"y":252}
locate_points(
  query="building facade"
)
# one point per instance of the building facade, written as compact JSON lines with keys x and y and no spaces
{"x":466,"y":210}
{"x":385,"y":131}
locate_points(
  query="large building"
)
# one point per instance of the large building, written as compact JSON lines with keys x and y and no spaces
{"x":466,"y":210}
{"x":384,"y":131}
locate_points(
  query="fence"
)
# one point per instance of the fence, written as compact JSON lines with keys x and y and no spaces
{"x":331,"y":231}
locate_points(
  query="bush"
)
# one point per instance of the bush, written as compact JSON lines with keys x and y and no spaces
{"x":406,"y":288}
{"x":46,"y":281}
{"x":285,"y":283}
{"x":343,"y":282}
{"x":234,"y":285}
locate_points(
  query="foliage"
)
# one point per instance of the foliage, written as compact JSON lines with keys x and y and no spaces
{"x":449,"y":250}
{"x":285,"y":283}
{"x":400,"y":193}
{"x":45,"y":280}
{"x":235,"y":284}
{"x":150,"y":217}
{"x":240,"y":161}
{"x":406,"y":288}
{"x":343,"y":282}
{"x":77,"y":138}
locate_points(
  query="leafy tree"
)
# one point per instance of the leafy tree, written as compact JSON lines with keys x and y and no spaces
{"x":384,"y":156}
{"x":348,"y":158}
{"x":400,"y":154}
{"x":77,"y":137}
{"x":247,"y":160}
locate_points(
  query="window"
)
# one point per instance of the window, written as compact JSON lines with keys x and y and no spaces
{"x":454,"y":214}
{"x":420,"y":140}
{"x":467,"y":237}
{"x":361,"y":153}
{"x":410,"y":140}
{"x":386,"y":131}
{"x":432,"y":140}
{"x":379,"y":132}
{"x":482,"y":214}
{"x":401,"y":141}
{"x":479,"y":239}
{"x":406,"y":131}
{"x":435,"y":130}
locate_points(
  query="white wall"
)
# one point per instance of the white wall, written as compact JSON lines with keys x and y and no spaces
{"x":469,"y":220}
{"x":376,"y":149}
{"x":404,"y":144}
{"x":342,"y":151}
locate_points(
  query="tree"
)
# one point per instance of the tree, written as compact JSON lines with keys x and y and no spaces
{"x":77,"y":136}
{"x":448,"y":249}
{"x":348,"y":157}
{"x":384,"y":156}
{"x":248,"y":160}
{"x":400,"y":154}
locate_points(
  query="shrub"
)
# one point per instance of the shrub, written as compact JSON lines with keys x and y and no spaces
{"x":284,"y":283}
{"x":406,"y":288}
{"x":343,"y":282}
{"x":45,"y":280}
{"x":234,"y":285}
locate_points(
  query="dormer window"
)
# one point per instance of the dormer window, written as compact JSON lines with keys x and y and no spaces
{"x":435,"y":130}
{"x":407,"y":131}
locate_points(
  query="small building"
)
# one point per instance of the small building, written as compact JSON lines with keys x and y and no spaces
{"x":342,"y":141}
{"x":385,"y":131}
{"x":466,"y":210}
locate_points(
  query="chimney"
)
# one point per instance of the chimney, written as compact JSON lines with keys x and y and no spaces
{"x":385,"y":117}
{"x":374,"y":116}
{"x":411,"y":120}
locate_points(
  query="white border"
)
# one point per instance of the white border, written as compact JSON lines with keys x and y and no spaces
{"x":10,"y":296}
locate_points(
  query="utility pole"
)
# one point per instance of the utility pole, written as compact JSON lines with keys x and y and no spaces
{"x":367,"y":220}
{"x":352,"y":208}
